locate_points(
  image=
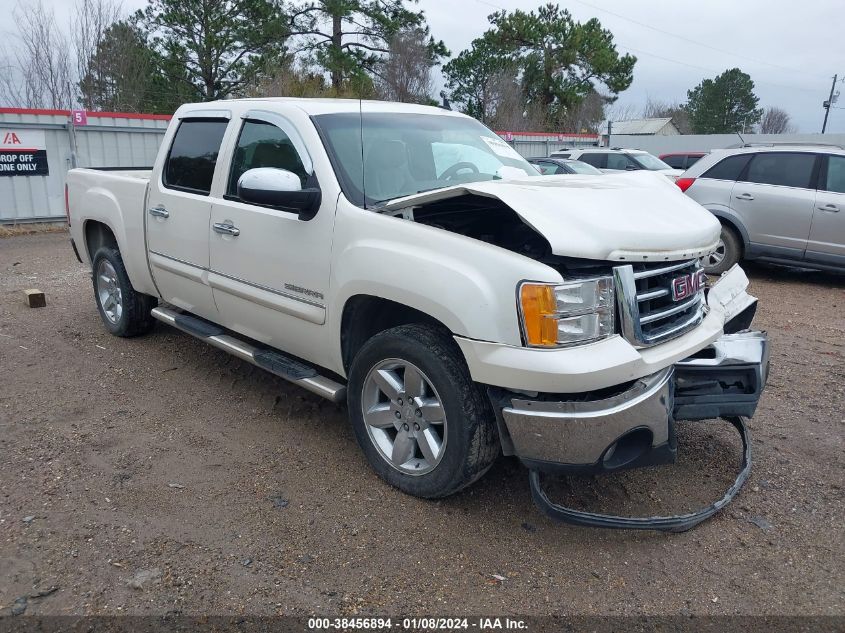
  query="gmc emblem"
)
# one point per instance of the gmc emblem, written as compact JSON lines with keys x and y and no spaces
{"x":686,"y":286}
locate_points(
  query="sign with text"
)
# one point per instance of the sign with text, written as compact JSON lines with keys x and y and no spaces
{"x":23,"y":153}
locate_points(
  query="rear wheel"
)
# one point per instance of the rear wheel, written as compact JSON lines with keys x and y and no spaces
{"x":124,"y":311}
{"x":728,"y":252}
{"x":423,"y":424}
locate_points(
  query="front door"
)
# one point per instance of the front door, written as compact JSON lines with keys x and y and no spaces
{"x":774,"y":199}
{"x":827,"y":236}
{"x":178,"y":215}
{"x":270,"y":270}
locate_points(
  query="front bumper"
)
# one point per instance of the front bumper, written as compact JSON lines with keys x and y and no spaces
{"x":633,"y":425}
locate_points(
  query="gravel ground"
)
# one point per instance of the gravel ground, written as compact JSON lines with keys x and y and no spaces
{"x":159,"y":475}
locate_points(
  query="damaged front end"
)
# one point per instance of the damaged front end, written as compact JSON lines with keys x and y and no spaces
{"x":632,"y":425}
{"x":635,"y":427}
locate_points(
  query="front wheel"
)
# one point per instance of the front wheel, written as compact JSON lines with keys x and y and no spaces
{"x":124,"y":310}
{"x":728,"y":252}
{"x":423,"y":424}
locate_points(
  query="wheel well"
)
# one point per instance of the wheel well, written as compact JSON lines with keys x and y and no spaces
{"x":97,"y":235}
{"x":731,"y":225}
{"x":364,"y":316}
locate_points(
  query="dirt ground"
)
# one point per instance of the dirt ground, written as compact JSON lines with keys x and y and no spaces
{"x":159,"y":475}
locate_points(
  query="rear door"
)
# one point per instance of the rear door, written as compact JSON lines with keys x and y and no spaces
{"x":179,"y":211}
{"x":774,"y":198}
{"x":827,"y":235}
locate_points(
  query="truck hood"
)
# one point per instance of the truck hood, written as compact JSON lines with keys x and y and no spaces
{"x":629,"y":216}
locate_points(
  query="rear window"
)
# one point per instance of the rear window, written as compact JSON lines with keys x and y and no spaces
{"x":193,"y":155}
{"x":729,"y":168}
{"x":781,"y":168}
{"x":559,"y":155}
{"x":692,"y":159}
{"x":676,"y":162}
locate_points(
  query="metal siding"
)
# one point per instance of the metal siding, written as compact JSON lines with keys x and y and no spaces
{"x":133,"y":143}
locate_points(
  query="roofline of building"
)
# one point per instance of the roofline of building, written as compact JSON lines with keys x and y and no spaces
{"x":95,"y":115}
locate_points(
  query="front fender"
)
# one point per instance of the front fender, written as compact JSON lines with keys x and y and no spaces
{"x":468,"y":285}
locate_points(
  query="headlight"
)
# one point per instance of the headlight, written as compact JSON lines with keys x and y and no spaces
{"x":567,"y":314}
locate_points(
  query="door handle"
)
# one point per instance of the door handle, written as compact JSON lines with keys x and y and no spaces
{"x":745,"y":196}
{"x":225,"y":228}
{"x":831,"y":208}
{"x":159,"y":212}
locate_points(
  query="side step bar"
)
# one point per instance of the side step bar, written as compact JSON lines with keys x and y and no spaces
{"x":268,"y":359}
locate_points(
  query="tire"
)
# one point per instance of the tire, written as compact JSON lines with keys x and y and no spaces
{"x":727,"y":253}
{"x":469,"y":442}
{"x":128,"y":311}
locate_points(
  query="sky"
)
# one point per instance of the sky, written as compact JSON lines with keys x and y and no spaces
{"x":791,"y":50}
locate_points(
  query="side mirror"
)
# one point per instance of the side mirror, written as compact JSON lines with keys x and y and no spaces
{"x":280,"y":189}
{"x":631,"y":168}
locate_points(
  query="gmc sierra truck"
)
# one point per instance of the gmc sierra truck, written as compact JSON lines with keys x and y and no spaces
{"x":406,"y":260}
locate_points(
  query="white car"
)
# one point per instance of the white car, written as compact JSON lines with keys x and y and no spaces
{"x":618,"y":159}
{"x":407,"y":261}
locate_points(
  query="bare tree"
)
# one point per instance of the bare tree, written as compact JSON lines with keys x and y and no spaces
{"x":90,"y":24}
{"x":405,"y":74}
{"x":655,"y":109}
{"x":40,"y":69}
{"x":776,"y":121}
{"x":615,"y":111}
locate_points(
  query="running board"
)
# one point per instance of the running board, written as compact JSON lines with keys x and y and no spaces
{"x":268,"y":359}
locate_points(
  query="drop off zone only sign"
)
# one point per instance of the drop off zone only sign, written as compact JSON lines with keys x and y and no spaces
{"x":23,"y":153}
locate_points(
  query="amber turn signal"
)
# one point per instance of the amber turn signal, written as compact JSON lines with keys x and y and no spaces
{"x":538,"y":314}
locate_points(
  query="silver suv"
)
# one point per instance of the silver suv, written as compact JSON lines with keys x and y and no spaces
{"x":776,"y":203}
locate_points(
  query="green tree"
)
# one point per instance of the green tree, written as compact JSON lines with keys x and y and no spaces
{"x":479,"y":79}
{"x":350,"y":39}
{"x":126,"y":75}
{"x":561,"y":61}
{"x":723,"y":105}
{"x":215,"y":48}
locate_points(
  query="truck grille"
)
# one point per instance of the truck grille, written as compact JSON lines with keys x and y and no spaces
{"x":648,"y":313}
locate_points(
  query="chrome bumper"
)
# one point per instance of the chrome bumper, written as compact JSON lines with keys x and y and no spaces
{"x":635,"y":426}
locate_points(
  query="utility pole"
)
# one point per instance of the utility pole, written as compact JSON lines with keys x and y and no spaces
{"x":827,"y":104}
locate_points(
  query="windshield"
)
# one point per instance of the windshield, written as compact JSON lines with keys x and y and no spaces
{"x":649,"y":162}
{"x":405,"y":154}
{"x":580,"y":167}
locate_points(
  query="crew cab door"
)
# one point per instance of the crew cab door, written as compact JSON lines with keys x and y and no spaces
{"x":774,"y":198}
{"x":178,"y":211}
{"x":827,"y":235}
{"x":270,"y":270}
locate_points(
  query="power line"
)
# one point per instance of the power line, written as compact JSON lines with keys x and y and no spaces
{"x":710,"y":70}
{"x":691,"y":41}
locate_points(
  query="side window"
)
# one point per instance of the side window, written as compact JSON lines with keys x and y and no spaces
{"x":618,"y":161}
{"x":546,"y":168}
{"x":834,"y":179}
{"x":193,"y":155}
{"x":676,"y":162}
{"x":263,"y":144}
{"x":595,"y":159}
{"x":729,"y":168}
{"x":781,"y":168}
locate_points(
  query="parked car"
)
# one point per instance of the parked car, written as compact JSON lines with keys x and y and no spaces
{"x":783,"y":204}
{"x":554,"y":166}
{"x":407,"y":261}
{"x":682,"y":160}
{"x":618,"y":159}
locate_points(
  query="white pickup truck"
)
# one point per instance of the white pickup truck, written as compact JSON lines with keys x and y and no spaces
{"x":406,"y":260}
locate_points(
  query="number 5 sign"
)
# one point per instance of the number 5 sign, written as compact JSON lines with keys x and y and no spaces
{"x":79,"y":117}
